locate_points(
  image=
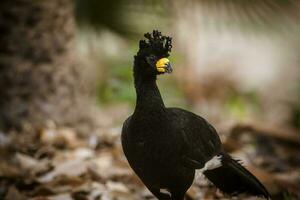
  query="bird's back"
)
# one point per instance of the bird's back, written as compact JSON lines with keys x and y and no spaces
{"x":199,"y":137}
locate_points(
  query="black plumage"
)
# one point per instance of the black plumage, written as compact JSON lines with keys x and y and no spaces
{"x":164,"y":146}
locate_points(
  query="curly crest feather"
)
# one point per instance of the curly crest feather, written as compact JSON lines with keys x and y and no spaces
{"x":156,"y":44}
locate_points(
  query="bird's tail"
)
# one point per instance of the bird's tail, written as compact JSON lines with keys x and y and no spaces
{"x":232,"y":178}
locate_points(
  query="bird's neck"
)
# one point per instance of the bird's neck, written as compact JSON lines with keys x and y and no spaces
{"x":148,"y":98}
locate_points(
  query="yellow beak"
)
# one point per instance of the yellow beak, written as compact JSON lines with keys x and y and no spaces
{"x":163,"y":66}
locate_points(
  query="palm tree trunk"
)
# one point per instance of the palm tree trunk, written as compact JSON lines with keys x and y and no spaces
{"x":39,"y":74}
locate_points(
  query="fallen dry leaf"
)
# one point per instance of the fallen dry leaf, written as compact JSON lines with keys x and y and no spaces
{"x":14,"y":194}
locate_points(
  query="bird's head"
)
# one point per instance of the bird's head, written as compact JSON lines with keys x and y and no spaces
{"x":153,"y":54}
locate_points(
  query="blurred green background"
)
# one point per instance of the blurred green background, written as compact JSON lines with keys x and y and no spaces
{"x":233,"y":60}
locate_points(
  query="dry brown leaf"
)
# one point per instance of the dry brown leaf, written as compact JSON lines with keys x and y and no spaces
{"x":69,"y":168}
{"x":14,"y":194}
{"x":8,"y":169}
{"x":32,"y":165}
{"x":290,"y":136}
{"x":60,"y":137}
{"x":65,"y":196}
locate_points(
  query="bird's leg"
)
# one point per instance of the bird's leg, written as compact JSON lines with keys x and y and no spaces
{"x":158,"y":194}
{"x":177,"y":196}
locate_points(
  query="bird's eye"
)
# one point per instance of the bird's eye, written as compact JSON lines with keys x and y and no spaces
{"x":151,"y":60}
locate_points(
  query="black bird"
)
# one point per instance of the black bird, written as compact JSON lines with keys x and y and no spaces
{"x":164,"y":146}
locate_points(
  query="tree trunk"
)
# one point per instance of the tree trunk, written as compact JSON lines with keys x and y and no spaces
{"x":40,"y":80}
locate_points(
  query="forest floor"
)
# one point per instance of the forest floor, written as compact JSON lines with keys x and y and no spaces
{"x":57,"y":164}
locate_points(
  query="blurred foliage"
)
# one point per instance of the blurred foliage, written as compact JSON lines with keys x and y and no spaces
{"x":240,"y":105}
{"x":121,"y":16}
{"x":295,"y":116}
{"x":100,"y":13}
{"x":288,"y":196}
{"x":293,"y":105}
{"x":117,"y":86}
{"x":260,"y":16}
{"x":247,"y":3}
{"x":130,"y":19}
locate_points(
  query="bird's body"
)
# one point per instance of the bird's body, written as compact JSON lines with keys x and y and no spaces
{"x":164,"y":146}
{"x":158,"y":146}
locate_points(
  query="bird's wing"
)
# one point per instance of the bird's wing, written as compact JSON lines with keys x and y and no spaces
{"x":200,"y":140}
{"x":125,"y":124}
